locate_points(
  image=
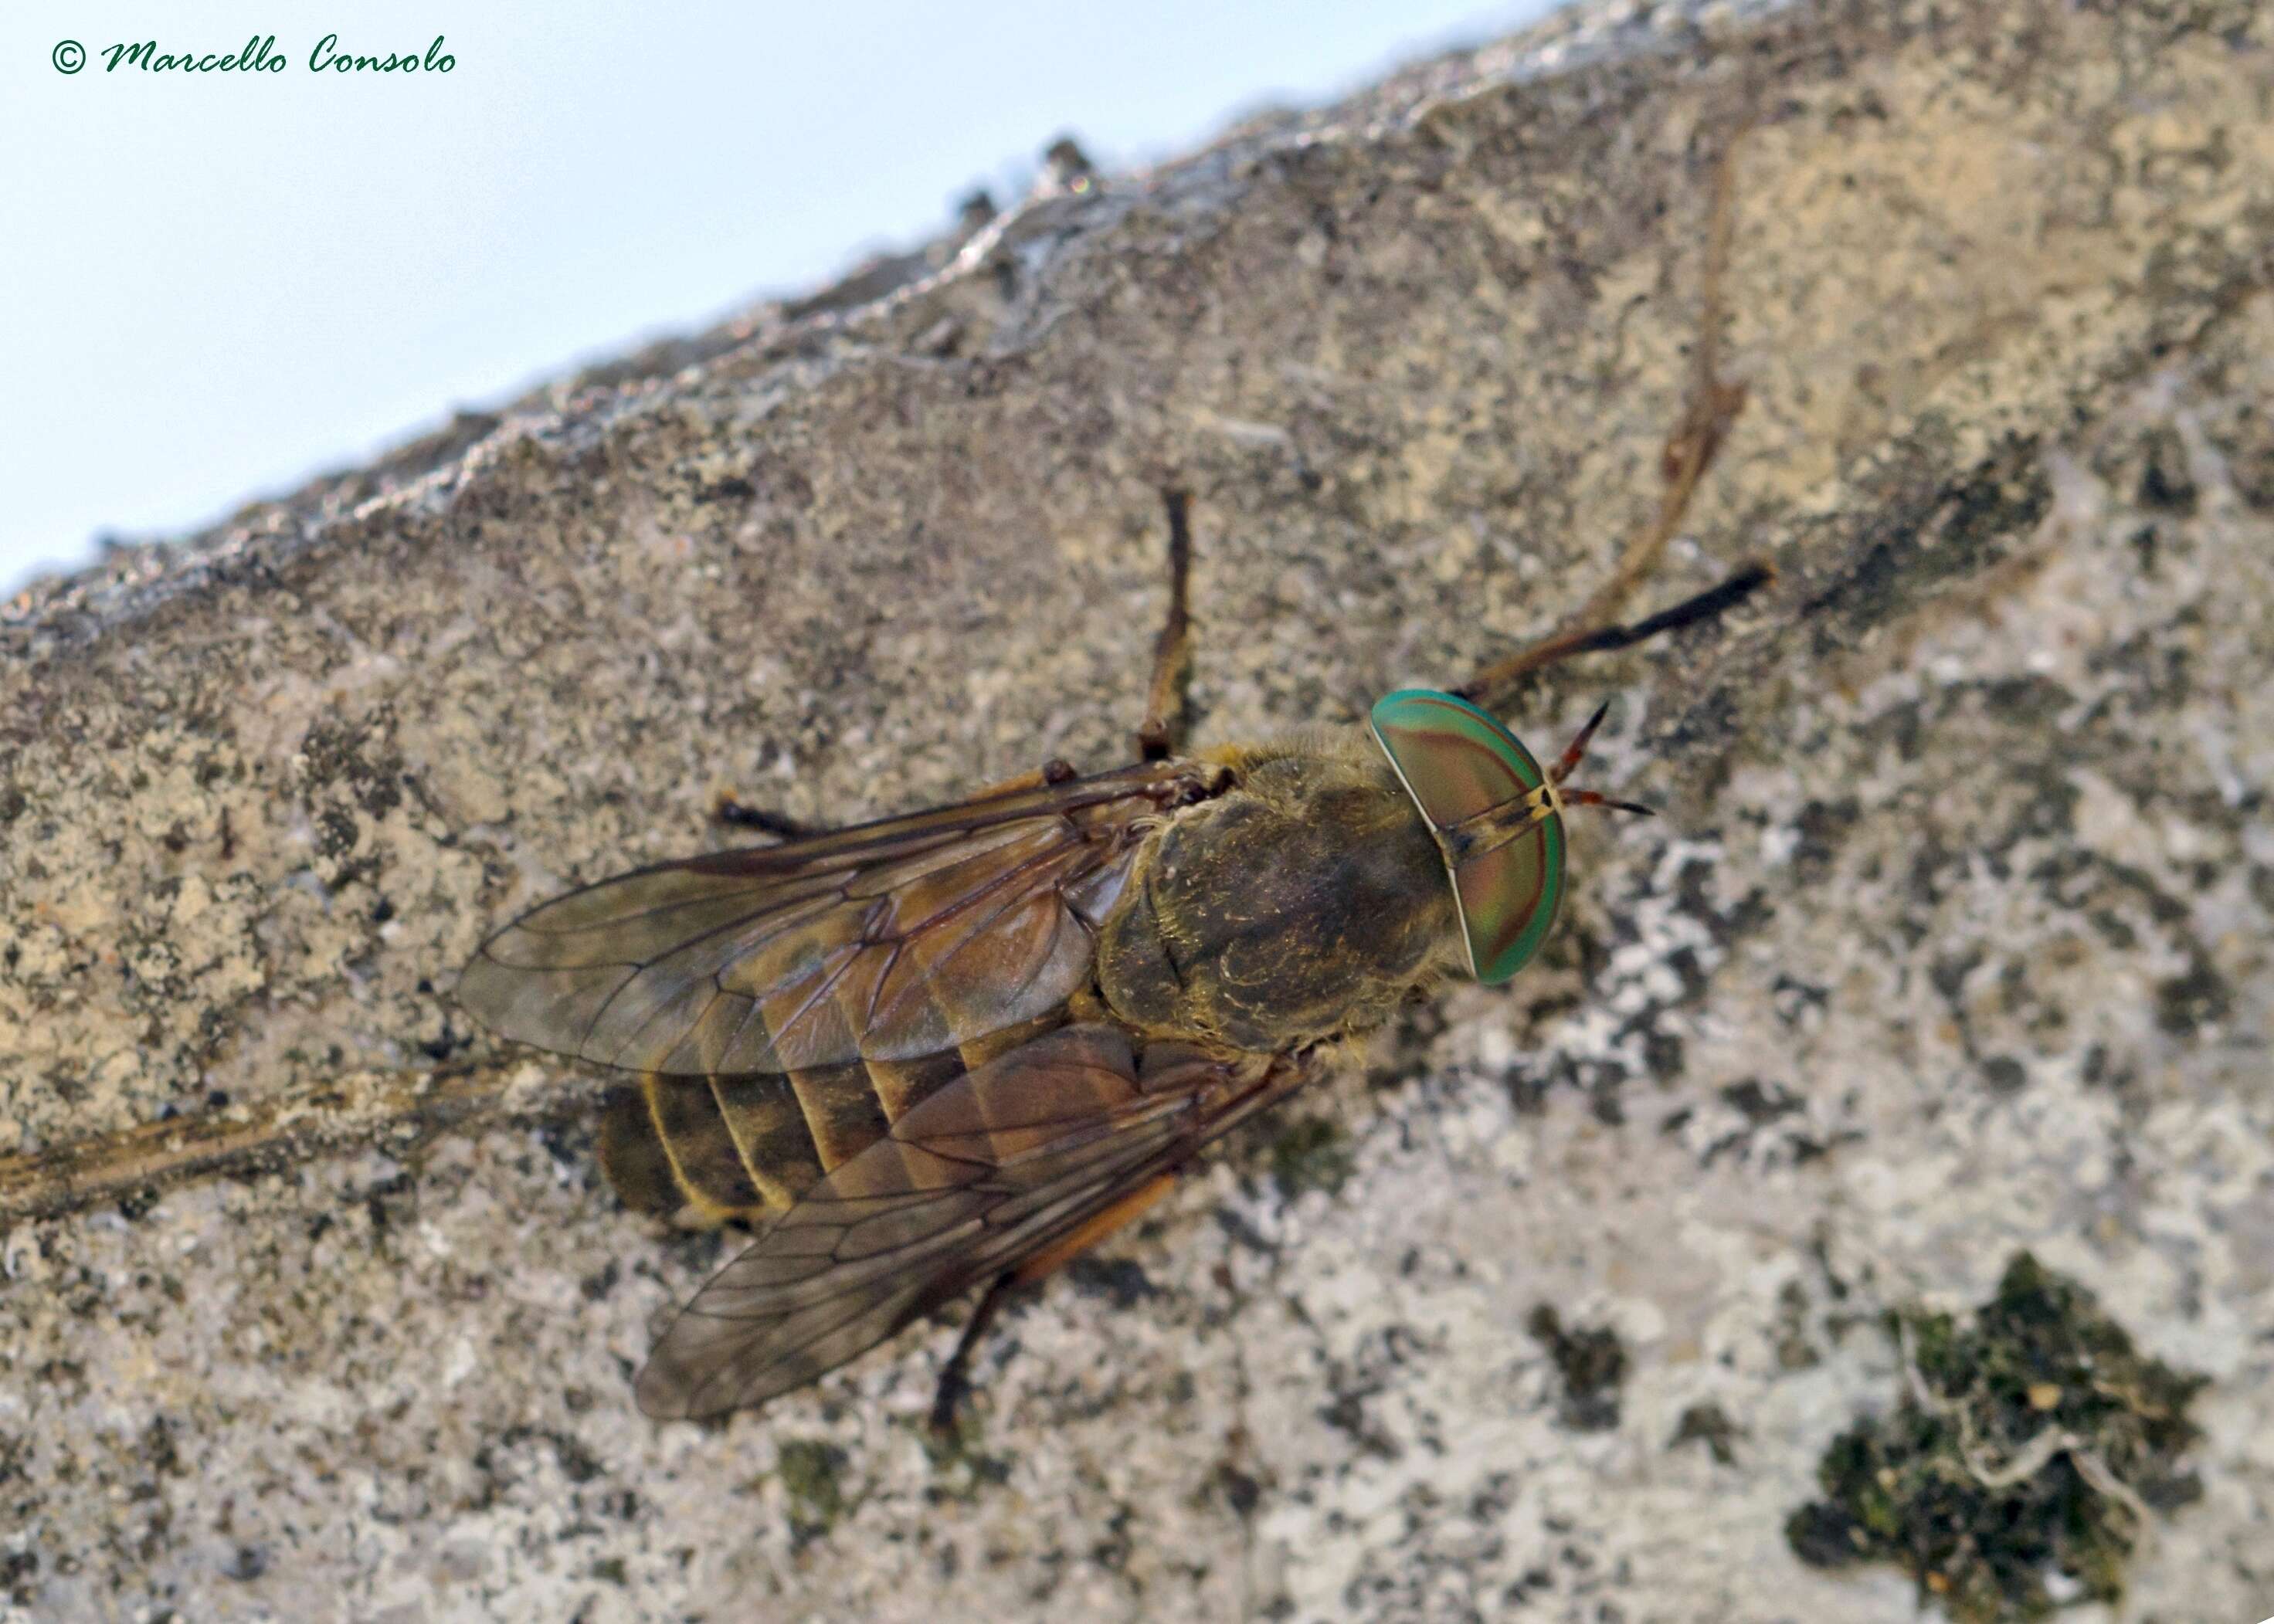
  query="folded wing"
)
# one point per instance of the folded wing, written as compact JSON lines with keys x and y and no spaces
{"x":984,"y":1174}
{"x":889,"y":942}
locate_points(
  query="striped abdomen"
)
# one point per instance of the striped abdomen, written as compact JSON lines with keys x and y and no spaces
{"x":709,"y":1150}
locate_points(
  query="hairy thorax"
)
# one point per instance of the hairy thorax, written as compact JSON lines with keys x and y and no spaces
{"x":1302,"y":904}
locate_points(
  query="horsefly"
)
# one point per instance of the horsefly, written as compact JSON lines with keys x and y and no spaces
{"x":959,"y":1047}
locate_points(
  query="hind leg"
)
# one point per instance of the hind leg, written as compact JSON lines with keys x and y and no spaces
{"x":1161,"y":733}
{"x":955,"y":1375}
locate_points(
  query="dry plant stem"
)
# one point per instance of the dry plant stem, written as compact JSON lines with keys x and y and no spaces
{"x":343,"y":1116}
{"x":2031,"y":1458}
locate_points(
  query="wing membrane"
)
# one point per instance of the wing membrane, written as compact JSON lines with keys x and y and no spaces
{"x":889,"y":942}
{"x":978,"y":1176}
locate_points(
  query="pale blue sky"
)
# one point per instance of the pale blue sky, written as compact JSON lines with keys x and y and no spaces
{"x":214,"y":285}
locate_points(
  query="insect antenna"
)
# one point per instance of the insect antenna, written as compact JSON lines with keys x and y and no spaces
{"x":1589,"y":798}
{"x":1573,"y":753}
{"x":1577,"y":750}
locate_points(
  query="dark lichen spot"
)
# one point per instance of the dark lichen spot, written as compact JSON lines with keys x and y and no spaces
{"x":2187,"y":1002}
{"x":1311,"y":1154}
{"x":1239,"y":1491}
{"x":1527,"y":1090}
{"x":1924,"y":1486}
{"x":159,"y":1453}
{"x":1347,"y":1415}
{"x":1759,"y":1104}
{"x":336,"y":832}
{"x":1662,"y":1052}
{"x":390,"y":1203}
{"x":1793,"y":1349}
{"x":600,"y":1282}
{"x":1592,"y":1362}
{"x":2002,"y":1074}
{"x":1120,"y":1281}
{"x":1925,"y":532}
{"x":136,"y":1205}
{"x":359,"y":758}
{"x":577,"y":1463}
{"x":809,"y":1469}
{"x":1602,"y":1080}
{"x":2166,"y":482}
{"x":1796,"y":1001}
{"x":1820,"y":830}
{"x":1115,"y":1547}
{"x":16,"y":1570}
{"x":1708,"y":1424}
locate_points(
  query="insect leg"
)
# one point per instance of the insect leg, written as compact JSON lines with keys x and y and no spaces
{"x":1493,"y":688}
{"x":955,"y":1375}
{"x":1094,"y":1228}
{"x":1161,"y":733}
{"x":1054,"y":771}
{"x":737,"y":814}
{"x":1710,"y":408}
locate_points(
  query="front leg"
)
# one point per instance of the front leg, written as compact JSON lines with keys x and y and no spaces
{"x":1707,"y":414}
{"x":1161,"y":733}
{"x":728,"y":809}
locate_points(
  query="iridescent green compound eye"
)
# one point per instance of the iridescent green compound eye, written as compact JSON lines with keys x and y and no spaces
{"x":1457,"y":763}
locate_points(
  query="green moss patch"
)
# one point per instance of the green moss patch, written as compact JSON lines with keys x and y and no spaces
{"x":1311,"y":1154}
{"x":2016,"y":1471}
{"x":809,"y":1472}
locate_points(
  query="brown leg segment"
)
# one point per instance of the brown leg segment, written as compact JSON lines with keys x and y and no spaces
{"x":729,"y":809}
{"x":1493,"y":688}
{"x":1712,"y":405}
{"x":1094,"y":1228}
{"x":1161,"y":733}
{"x":1054,"y":771}
{"x":955,"y":1375}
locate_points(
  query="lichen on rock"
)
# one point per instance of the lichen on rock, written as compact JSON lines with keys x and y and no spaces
{"x":2015,"y":1472}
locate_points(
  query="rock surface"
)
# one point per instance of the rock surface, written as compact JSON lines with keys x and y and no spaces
{"x":1954,"y":939}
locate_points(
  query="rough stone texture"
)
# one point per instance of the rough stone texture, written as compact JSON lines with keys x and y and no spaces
{"x":1954,"y":940}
